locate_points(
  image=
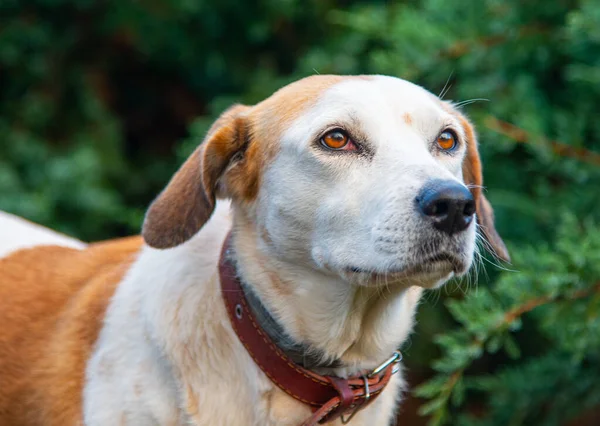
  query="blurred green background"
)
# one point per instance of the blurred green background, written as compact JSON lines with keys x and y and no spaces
{"x":102,"y":100}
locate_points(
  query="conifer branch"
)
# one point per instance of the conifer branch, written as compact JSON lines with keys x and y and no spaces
{"x":530,"y":305}
{"x":461,"y":48}
{"x":510,"y":316}
{"x":559,"y":148}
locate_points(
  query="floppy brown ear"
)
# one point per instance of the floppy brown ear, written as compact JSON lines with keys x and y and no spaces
{"x":188,"y":201}
{"x":473,"y":177}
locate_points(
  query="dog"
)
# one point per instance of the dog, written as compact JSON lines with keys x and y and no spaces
{"x":344,"y":197}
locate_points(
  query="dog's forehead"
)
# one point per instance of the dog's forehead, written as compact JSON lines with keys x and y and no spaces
{"x":283,"y":107}
{"x":389,"y":91}
{"x":383,"y":102}
{"x":345,"y":92}
{"x":377,"y":103}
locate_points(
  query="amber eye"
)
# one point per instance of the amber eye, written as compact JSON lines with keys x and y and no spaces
{"x":447,"y":140}
{"x":335,"y":139}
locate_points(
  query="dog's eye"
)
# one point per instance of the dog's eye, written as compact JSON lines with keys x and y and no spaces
{"x":447,"y":140}
{"x":338,"y":140}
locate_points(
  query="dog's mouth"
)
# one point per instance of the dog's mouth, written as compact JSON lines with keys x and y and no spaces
{"x":439,"y":264}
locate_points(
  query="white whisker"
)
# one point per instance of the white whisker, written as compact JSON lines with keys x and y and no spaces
{"x":469,"y":102}
{"x":446,"y":87}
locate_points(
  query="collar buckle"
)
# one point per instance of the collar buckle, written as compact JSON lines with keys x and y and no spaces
{"x":394,"y":359}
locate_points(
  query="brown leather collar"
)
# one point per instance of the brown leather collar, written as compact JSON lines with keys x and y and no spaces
{"x":329,"y":397}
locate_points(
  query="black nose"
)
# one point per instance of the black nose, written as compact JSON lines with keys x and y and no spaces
{"x":448,"y":204}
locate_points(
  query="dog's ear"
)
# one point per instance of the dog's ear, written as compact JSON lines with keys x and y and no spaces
{"x":473,"y":177}
{"x":188,"y":201}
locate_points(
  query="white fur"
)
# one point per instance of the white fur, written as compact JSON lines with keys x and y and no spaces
{"x":168,"y":344}
{"x":17,"y":233}
{"x":167,"y":354}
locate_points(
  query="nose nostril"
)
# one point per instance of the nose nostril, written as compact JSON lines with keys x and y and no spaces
{"x":440,"y":208}
{"x":436,"y":208}
{"x":469,"y":209}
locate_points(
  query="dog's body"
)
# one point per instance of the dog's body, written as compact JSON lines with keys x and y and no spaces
{"x":129,"y":333}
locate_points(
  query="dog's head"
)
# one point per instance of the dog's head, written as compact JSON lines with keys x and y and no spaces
{"x":362,"y":177}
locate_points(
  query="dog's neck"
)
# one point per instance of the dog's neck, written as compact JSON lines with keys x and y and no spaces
{"x":321,"y":317}
{"x":299,"y":352}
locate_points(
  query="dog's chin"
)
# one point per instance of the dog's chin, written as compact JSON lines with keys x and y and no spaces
{"x":428,"y":273}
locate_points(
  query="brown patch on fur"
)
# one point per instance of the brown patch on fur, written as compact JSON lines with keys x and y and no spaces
{"x":472,"y":170}
{"x":407,"y":118}
{"x":188,"y":201}
{"x":266,"y":123}
{"x":287,"y":104}
{"x":191,"y":401}
{"x":473,"y":176}
{"x":181,"y":209}
{"x":280,"y":287}
{"x":52,"y":304}
{"x":229,"y":163}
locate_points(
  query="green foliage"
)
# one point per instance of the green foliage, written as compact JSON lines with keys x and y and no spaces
{"x":558,"y":291}
{"x":101,"y":101}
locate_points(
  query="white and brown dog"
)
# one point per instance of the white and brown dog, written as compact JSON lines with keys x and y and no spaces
{"x":349,"y":195}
